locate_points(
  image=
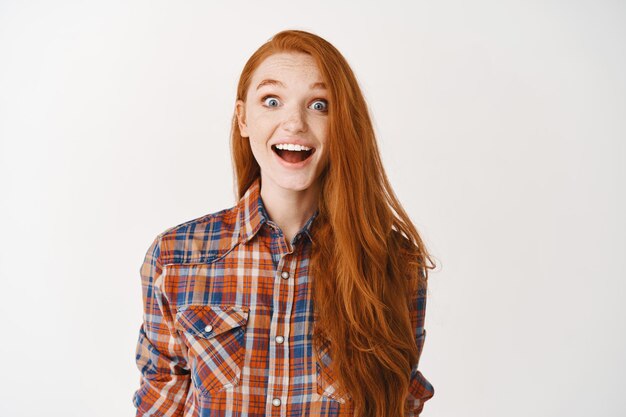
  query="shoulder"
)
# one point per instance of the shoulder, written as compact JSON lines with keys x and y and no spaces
{"x":200,"y":239}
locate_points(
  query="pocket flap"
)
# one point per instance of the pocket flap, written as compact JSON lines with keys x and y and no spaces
{"x":211,"y":320}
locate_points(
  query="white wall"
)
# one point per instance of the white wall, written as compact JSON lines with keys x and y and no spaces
{"x":502,"y":125}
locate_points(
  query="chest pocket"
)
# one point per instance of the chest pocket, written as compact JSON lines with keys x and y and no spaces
{"x":325,"y":378}
{"x":215,"y":337}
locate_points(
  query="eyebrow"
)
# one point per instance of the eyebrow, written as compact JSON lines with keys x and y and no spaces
{"x":320,"y":85}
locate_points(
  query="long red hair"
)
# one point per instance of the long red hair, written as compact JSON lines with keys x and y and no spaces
{"x":367,"y":255}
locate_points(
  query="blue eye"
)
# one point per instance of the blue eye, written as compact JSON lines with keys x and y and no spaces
{"x":272,"y":99}
{"x":322,"y":108}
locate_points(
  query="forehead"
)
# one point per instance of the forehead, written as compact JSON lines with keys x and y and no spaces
{"x":286,"y":65}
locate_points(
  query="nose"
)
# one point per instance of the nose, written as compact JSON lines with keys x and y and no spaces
{"x":295,"y":121}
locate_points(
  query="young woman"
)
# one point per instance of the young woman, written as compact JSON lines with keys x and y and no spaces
{"x":307,"y":298}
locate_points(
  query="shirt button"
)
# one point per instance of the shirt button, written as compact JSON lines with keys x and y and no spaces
{"x":280,"y":339}
{"x":208,"y":328}
{"x":276,"y":402}
{"x":285,"y":274}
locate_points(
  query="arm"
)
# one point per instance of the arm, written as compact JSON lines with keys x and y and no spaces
{"x":160,"y":355}
{"x":420,"y":389}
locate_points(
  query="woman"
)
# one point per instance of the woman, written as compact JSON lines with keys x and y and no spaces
{"x":308,"y":296}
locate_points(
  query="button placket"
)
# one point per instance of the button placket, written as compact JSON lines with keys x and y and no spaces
{"x":284,"y":288}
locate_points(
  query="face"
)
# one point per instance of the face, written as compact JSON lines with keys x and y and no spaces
{"x":285,"y":118}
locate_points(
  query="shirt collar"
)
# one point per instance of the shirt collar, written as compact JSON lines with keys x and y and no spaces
{"x":252,"y":214}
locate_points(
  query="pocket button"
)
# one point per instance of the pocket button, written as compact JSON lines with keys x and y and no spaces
{"x":215,"y":336}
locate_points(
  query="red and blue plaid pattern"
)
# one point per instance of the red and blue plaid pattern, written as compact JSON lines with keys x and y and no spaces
{"x":228,"y":321}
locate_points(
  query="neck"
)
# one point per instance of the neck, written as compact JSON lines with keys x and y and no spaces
{"x":289,"y":209}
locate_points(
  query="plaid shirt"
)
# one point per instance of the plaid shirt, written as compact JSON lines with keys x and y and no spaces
{"x":228,"y":319}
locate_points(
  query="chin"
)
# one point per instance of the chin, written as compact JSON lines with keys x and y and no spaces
{"x":294,"y":185}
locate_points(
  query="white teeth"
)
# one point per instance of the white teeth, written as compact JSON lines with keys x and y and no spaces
{"x":292,"y":147}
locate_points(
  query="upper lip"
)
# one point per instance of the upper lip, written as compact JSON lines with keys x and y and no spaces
{"x":294,"y":141}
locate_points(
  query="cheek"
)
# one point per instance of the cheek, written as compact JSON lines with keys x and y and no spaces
{"x":260,"y":150}
{"x":256,"y":147}
{"x":320,"y":127}
{"x":259,"y":126}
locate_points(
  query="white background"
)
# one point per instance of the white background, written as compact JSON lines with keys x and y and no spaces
{"x":502,"y":125}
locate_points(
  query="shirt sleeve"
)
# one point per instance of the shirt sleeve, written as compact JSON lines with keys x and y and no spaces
{"x":160,"y":354}
{"x":420,"y":389}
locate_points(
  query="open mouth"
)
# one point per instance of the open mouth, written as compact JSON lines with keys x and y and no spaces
{"x":293,"y":156}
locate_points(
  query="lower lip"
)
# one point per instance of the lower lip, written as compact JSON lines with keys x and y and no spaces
{"x":293,"y":165}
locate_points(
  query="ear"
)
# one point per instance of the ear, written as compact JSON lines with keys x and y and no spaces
{"x":240,"y":109}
